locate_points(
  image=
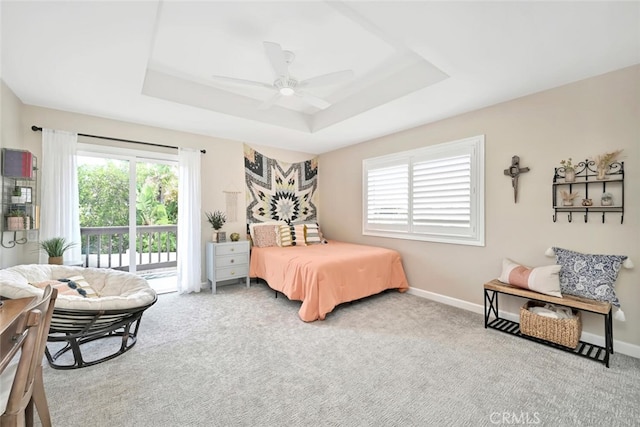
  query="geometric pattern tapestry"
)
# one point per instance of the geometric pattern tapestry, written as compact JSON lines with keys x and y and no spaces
{"x":280,"y":191}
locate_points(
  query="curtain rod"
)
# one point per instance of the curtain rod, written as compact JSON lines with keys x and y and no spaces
{"x":39,"y":129}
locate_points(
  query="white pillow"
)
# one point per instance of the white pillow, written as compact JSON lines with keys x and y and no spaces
{"x":545,"y":280}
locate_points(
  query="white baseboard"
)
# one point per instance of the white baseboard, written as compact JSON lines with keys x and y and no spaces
{"x":618,"y":346}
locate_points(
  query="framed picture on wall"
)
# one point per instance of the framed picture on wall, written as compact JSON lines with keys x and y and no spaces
{"x":17,"y":163}
{"x":26,"y":193}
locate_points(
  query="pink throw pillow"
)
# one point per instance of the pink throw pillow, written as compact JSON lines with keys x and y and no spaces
{"x":545,"y":280}
{"x":264,"y":236}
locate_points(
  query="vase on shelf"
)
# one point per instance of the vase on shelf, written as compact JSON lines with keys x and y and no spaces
{"x":602,"y":173}
{"x":569,"y":175}
{"x":567,"y":203}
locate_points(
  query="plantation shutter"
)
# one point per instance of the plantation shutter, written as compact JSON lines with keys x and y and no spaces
{"x":433,"y":193}
{"x":387,"y":195}
{"x":442,"y":195}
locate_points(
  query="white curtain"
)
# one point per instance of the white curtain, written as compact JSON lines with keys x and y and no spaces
{"x":59,"y":200}
{"x":189,"y":222}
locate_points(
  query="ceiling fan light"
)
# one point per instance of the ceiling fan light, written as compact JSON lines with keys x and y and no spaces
{"x":287,"y":91}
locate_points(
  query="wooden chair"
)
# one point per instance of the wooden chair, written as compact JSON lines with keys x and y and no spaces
{"x":28,"y":385}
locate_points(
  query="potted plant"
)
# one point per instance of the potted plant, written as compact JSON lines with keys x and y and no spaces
{"x":16,"y":195}
{"x":55,"y":248}
{"x":17,"y":220}
{"x":606,"y":199}
{"x":567,"y":198}
{"x":569,"y":170}
{"x":603,"y":161}
{"x":217,"y":220}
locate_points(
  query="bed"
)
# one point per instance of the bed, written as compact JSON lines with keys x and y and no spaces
{"x":324,"y":276}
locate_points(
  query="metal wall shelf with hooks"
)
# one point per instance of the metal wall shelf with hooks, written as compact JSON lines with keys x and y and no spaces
{"x":19,"y":196}
{"x":588,"y":181}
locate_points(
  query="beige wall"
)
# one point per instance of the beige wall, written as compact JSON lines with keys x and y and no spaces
{"x":578,"y":120}
{"x":10,"y":137}
{"x":222,"y":165}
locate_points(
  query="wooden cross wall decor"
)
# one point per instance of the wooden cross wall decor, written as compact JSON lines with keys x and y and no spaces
{"x":514,"y":172}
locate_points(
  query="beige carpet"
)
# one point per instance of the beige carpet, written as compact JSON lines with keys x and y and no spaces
{"x":242,"y":357}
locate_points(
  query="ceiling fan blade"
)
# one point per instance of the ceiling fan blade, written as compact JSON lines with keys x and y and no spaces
{"x":269,"y":102}
{"x":226,"y":79}
{"x":327,"y":79}
{"x":277,"y":58}
{"x":314,"y":100}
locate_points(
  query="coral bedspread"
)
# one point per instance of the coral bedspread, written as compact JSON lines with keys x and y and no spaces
{"x":323,"y":276}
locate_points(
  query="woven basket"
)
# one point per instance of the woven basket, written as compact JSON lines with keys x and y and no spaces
{"x":565,"y":332}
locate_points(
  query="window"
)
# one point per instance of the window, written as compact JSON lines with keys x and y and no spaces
{"x":434,"y":193}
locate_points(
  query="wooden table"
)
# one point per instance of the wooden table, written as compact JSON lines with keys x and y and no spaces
{"x":12,"y":328}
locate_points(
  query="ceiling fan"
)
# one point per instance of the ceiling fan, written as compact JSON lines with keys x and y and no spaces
{"x":285,"y":84}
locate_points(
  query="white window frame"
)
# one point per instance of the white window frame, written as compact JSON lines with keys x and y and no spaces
{"x":473,"y":235}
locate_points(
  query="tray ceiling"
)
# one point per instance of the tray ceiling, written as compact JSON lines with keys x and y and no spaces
{"x":413,"y":62}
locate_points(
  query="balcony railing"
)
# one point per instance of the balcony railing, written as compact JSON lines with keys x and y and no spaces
{"x":108,"y":247}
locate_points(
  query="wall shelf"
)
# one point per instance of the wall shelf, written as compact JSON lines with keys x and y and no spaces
{"x":19,"y":212}
{"x":588,"y":186}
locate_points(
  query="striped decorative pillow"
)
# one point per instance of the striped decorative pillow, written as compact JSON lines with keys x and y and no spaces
{"x":73,"y":286}
{"x":283,"y":236}
{"x":298,"y":235}
{"x":312,"y":235}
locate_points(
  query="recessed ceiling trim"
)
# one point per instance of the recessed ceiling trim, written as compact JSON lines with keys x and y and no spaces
{"x":415,"y":74}
{"x":164,"y":86}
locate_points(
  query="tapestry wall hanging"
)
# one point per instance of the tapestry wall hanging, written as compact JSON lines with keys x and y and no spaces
{"x":280,"y":191}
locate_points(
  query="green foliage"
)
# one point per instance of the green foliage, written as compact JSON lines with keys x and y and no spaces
{"x":104,"y":200}
{"x":56,"y":246}
{"x":157,"y":184}
{"x":216,"y":219}
{"x":148,"y":210}
{"x":104,"y":194}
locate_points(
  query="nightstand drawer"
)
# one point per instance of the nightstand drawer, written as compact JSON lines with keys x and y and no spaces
{"x":232,"y":272}
{"x":232,"y":249}
{"x":232,"y":260}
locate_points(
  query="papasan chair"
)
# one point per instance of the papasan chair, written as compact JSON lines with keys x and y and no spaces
{"x":92,"y":304}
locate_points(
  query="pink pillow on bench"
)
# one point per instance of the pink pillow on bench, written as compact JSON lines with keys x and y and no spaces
{"x":545,"y":280}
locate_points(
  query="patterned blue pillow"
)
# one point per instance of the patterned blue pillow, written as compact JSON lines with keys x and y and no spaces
{"x":589,"y":276}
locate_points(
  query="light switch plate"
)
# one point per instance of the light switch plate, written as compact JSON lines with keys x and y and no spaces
{"x":32,"y":236}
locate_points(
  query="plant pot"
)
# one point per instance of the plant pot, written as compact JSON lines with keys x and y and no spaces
{"x":567,"y":203}
{"x":18,"y":199}
{"x":602,"y":173}
{"x":56,"y":260}
{"x":16,"y":223}
{"x":570,"y":175}
{"x":214,"y":236}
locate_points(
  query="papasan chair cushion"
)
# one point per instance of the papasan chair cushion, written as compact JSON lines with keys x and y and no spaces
{"x":118,"y":300}
{"x":116,"y":290}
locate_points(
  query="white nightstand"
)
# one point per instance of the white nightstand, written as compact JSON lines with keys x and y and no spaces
{"x":227,"y":261}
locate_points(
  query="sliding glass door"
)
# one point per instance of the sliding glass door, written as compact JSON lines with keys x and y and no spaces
{"x":128,"y":211}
